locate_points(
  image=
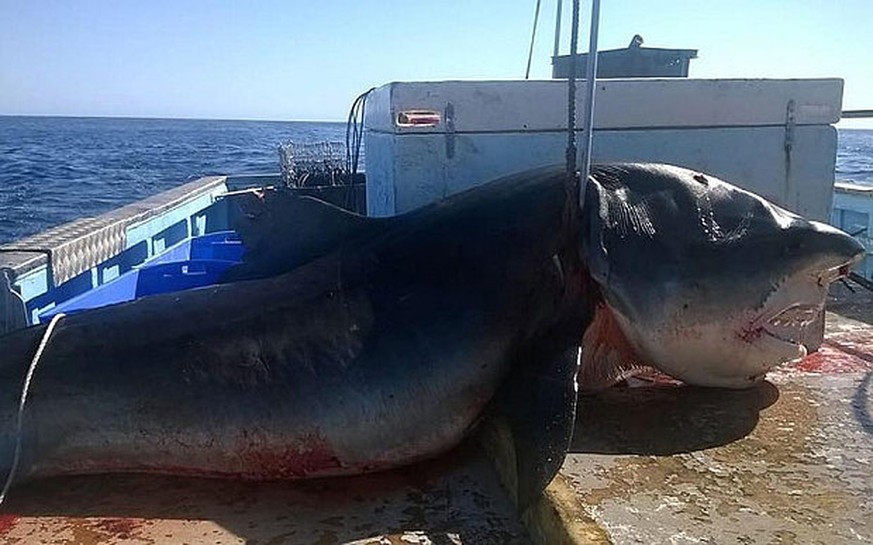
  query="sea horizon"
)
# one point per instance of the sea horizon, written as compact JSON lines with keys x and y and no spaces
{"x":159,"y":118}
{"x":241,"y":119}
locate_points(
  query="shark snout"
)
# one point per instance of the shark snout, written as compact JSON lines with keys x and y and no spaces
{"x":829,"y":251}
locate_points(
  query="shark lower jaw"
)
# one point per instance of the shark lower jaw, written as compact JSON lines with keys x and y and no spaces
{"x":709,"y":354}
{"x":778,"y":337}
{"x":734,"y":349}
{"x":791,"y":310}
{"x":786,"y":326}
{"x":790,"y":325}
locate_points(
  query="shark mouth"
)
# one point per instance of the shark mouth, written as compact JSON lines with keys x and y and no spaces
{"x":789,"y":325}
{"x":835,"y":273}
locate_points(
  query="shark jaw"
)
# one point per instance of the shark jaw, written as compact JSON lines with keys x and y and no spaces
{"x":721,"y":351}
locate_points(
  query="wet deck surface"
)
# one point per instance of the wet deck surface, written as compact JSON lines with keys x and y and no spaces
{"x":454,"y":500}
{"x":790,"y":461}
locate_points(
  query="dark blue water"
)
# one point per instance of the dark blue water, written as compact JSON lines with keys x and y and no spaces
{"x":54,"y":170}
{"x":855,"y":156}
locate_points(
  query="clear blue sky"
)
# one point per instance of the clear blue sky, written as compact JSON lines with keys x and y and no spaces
{"x":294,"y":59}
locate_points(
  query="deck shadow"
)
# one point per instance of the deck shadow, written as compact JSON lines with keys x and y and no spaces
{"x":667,"y":420}
{"x":855,"y":302}
{"x":455,"y":496}
{"x":862,"y":401}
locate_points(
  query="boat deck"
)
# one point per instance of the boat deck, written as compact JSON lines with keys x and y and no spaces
{"x":790,"y":461}
{"x":455,"y":499}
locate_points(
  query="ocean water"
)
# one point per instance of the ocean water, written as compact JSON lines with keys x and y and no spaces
{"x":855,"y":156}
{"x":54,"y":170}
{"x":57,"y":169}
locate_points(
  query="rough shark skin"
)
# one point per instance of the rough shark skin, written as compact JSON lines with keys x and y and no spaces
{"x":385,"y":344}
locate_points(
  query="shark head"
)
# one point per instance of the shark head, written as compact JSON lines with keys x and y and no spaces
{"x":707,"y":282}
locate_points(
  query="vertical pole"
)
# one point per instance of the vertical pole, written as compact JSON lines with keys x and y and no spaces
{"x":588,"y":112}
{"x":558,"y":29}
{"x":533,"y":37}
{"x":571,"y":98}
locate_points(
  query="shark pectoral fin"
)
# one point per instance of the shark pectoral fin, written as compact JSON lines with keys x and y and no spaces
{"x":282,"y":230}
{"x":535,"y":412}
{"x":607,"y":355}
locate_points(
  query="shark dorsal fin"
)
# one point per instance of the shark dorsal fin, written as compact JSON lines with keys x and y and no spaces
{"x":282,"y":230}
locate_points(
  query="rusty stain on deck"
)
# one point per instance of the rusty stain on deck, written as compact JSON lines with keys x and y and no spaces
{"x":454,"y":500}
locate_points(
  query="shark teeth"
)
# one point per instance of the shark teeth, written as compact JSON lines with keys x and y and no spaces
{"x":789,"y":324}
{"x":833,"y":274}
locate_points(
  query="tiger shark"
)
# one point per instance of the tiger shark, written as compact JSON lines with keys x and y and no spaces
{"x":345,"y":344}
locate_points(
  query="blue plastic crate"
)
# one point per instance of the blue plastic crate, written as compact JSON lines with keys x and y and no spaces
{"x":181,"y":275}
{"x":194,"y":263}
{"x":223,"y":245}
{"x":119,"y":290}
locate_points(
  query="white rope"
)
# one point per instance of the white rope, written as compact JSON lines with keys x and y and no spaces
{"x":25,"y":388}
